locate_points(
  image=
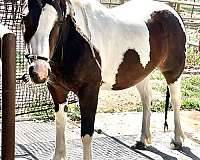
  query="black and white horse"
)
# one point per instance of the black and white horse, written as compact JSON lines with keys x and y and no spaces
{"x":82,"y":46}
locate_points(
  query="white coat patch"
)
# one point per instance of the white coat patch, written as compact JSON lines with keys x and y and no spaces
{"x":114,"y":31}
{"x":40,"y":40}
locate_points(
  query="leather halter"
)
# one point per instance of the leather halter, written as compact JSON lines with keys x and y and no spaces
{"x":61,"y":15}
{"x":31,"y":58}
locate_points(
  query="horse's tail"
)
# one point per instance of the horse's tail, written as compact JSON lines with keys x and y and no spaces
{"x":166,"y":109}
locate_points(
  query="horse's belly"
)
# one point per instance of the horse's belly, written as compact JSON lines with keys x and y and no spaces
{"x":129,"y":72}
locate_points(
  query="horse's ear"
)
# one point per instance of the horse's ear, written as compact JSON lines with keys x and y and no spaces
{"x":35,"y":3}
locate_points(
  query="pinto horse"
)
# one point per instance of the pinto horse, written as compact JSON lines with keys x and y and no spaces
{"x":82,"y":46}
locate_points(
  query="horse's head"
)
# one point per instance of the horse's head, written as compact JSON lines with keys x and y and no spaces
{"x":42,"y":25}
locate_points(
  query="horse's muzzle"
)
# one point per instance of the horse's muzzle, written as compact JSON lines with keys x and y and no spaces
{"x":38,"y":76}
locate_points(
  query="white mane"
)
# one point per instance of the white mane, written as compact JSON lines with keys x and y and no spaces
{"x":114,"y":31}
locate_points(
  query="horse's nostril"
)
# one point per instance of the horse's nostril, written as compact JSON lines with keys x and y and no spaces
{"x":31,"y":68}
{"x":32,"y":74}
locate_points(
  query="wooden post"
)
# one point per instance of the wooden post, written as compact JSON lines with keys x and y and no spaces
{"x":178,"y":7}
{"x":8,"y":96}
{"x":170,"y":4}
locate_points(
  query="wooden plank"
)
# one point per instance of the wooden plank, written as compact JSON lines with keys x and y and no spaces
{"x":181,"y":2}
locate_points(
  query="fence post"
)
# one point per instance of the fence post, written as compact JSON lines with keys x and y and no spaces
{"x":8,"y":96}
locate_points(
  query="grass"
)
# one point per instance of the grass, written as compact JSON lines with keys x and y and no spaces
{"x":73,"y":111}
{"x":193,"y":57}
{"x":190,"y":90}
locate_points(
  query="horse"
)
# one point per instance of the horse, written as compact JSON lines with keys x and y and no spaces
{"x":82,"y":46}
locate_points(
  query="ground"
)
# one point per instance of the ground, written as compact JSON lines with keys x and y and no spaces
{"x":35,"y":141}
{"x":128,"y":99}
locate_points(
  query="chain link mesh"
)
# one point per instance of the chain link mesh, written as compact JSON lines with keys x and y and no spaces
{"x":30,"y":98}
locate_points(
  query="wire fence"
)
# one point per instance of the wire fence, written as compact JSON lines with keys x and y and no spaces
{"x":30,"y":98}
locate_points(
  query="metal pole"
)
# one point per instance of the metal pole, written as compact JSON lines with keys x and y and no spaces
{"x":8,"y":96}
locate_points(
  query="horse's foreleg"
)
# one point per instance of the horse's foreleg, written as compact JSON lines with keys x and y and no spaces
{"x":175,"y":93}
{"x":144,"y":89}
{"x":60,"y":148}
{"x":88,"y":103}
{"x":59,"y":96}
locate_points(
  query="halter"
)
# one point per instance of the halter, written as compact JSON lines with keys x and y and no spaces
{"x":61,"y":16}
{"x":31,"y":58}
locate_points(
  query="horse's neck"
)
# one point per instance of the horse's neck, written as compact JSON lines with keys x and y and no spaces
{"x":70,"y":49}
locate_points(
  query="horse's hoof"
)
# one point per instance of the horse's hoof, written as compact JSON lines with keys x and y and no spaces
{"x":139,"y":145}
{"x":176,"y":145}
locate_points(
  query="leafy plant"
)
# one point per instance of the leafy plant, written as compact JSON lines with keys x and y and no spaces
{"x":73,"y":111}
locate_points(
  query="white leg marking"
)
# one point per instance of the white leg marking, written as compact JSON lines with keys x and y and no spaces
{"x":87,"y":152}
{"x":145,"y":91}
{"x":175,"y":94}
{"x":60,"y":149}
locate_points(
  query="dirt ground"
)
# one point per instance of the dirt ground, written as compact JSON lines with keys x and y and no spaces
{"x":119,"y":101}
{"x":124,"y":100}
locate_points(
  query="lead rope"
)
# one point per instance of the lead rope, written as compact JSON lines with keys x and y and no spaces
{"x":90,"y":35}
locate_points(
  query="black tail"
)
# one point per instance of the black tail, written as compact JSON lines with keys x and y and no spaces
{"x":166,"y":108}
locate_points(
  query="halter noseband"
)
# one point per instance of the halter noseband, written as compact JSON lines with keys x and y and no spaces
{"x":31,"y":58}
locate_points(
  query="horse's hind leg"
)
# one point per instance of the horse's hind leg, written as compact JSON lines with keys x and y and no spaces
{"x":145,"y":91}
{"x":172,"y":70}
{"x":175,"y":93}
{"x":172,"y":67}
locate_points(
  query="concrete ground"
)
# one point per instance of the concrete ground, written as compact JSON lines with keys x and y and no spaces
{"x":35,"y":141}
